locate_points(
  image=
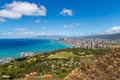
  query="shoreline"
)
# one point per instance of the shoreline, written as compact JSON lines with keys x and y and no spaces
{"x":35,"y":52}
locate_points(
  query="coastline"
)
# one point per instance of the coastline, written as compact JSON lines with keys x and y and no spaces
{"x":36,"y":49}
{"x":65,"y":43}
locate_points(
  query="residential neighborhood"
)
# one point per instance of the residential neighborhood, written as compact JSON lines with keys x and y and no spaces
{"x":91,"y":43}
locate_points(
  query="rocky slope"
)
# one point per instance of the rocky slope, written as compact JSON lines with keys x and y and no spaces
{"x":104,"y":68}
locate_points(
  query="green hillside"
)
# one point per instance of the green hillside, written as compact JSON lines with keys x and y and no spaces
{"x":55,"y":65}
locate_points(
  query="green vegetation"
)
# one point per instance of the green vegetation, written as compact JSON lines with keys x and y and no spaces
{"x":58,"y":63}
{"x":61,"y":55}
{"x":103,"y":68}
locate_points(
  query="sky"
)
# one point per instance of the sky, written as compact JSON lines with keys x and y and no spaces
{"x":28,"y":18}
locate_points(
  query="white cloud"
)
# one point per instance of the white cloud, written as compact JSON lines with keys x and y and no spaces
{"x":17,"y":9}
{"x":9,"y":14}
{"x":19,"y":29}
{"x":113,"y":30}
{"x":7,"y":33}
{"x":66,"y":12}
{"x":22,"y":32}
{"x":2,"y":20}
{"x":44,"y":27}
{"x":37,"y":20}
{"x":71,"y":25}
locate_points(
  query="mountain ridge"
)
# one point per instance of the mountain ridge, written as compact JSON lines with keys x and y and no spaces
{"x":105,"y":36}
{"x":103,"y":68}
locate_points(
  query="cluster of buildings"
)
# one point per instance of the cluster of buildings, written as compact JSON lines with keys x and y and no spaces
{"x":6,"y":60}
{"x":91,"y":43}
{"x":22,"y":55}
{"x":26,"y":54}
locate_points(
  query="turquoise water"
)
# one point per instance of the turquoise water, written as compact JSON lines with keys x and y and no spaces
{"x":12,"y":47}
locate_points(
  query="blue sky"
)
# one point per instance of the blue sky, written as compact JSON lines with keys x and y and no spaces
{"x":27,"y":18}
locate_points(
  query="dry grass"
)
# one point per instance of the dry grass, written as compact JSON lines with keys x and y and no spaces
{"x":60,"y":55}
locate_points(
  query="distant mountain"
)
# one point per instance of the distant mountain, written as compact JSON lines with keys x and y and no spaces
{"x":50,"y":36}
{"x":107,"y":36}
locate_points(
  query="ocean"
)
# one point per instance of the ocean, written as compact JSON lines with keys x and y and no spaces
{"x":11,"y":48}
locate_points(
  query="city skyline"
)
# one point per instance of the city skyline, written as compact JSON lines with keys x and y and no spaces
{"x":28,"y":18}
